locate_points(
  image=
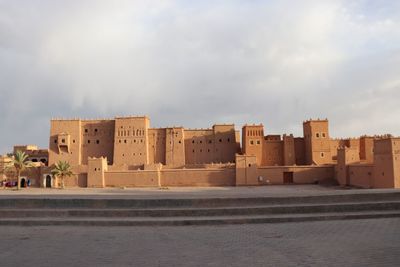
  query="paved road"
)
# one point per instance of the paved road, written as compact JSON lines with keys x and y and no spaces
{"x":374,"y":242}
{"x":189,"y":192}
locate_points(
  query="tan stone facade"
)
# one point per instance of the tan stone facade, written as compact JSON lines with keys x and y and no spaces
{"x":130,"y":143}
{"x":125,"y":151}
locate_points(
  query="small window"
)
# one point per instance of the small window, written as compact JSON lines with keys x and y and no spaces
{"x":63,"y":141}
{"x":317,"y":135}
{"x":249,"y":165}
{"x":73,"y":141}
{"x":125,"y":141}
{"x":229,"y":140}
{"x":120,"y":141}
{"x":180,"y":141}
{"x":322,"y":154}
{"x":97,"y":141}
{"x":258,"y":142}
{"x":193,"y":150}
{"x":95,"y":169}
{"x":323,"y":135}
{"x":95,"y":130}
{"x":86,"y":130}
{"x":192,"y":141}
{"x":220,"y":140}
{"x":88,"y":141}
{"x":208,"y":150}
{"x":134,"y":140}
{"x":55,"y":141}
{"x":201,"y":150}
{"x":209,"y":141}
{"x":201,"y":142}
{"x":251,"y":142}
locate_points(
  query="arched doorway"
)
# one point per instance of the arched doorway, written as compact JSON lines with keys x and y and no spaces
{"x":48,"y":181}
{"x":23,"y":182}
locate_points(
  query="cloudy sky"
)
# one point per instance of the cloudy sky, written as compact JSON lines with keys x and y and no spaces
{"x":195,"y":63}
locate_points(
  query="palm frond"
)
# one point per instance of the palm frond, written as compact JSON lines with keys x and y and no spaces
{"x":20,"y":161}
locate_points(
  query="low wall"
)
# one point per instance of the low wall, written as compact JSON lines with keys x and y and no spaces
{"x":301,"y":174}
{"x":198,"y":177}
{"x":171,"y":177}
{"x":361,"y":175}
{"x":131,"y":178}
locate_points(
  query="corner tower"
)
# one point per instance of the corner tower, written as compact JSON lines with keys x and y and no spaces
{"x":317,"y":142}
{"x":252,"y":141}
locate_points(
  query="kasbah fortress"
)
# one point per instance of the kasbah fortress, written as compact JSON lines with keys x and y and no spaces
{"x":126,"y":152}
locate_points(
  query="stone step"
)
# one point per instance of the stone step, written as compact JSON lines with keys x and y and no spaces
{"x":214,"y":211}
{"x":203,"y":220}
{"x":94,"y":202}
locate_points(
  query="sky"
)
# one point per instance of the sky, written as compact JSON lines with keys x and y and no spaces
{"x":196,"y":63}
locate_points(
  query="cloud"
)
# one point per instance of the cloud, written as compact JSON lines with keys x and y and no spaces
{"x":195,"y":64}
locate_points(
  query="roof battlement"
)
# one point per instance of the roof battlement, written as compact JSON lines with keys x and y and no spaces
{"x":253,"y":125}
{"x":101,"y":119}
{"x":315,"y":120}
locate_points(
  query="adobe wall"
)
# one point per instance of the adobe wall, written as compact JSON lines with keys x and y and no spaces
{"x":199,"y":146}
{"x":299,"y":149}
{"x":33,"y":174}
{"x":198,"y":177}
{"x":317,"y":142}
{"x":396,"y":162}
{"x":171,"y":177}
{"x":345,"y":156}
{"x":76,"y":140}
{"x":218,"y":145}
{"x":289,"y":153}
{"x":96,"y":169}
{"x":157,"y":145}
{"x":301,"y":174}
{"x":384,"y":164}
{"x":142,"y":178}
{"x":272,"y":153}
{"x":248,"y":173}
{"x":131,"y":141}
{"x":97,"y":140}
{"x":246,"y":168}
{"x":175,"y":147}
{"x":68,"y":131}
{"x":78,"y":179}
{"x":367,"y":149}
{"x":225,"y":142}
{"x":361,"y":175}
{"x":335,"y":144}
{"x":252,"y":141}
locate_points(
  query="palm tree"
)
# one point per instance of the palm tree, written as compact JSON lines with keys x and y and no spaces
{"x":20,"y":162}
{"x":62,"y":169}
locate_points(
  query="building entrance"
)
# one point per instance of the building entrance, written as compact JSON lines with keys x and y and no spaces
{"x":48,"y":181}
{"x":288,"y":177}
{"x":23,"y":182}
